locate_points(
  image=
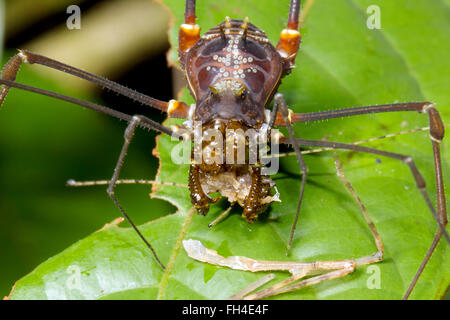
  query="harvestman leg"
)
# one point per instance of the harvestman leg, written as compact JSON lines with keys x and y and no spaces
{"x":133,"y":123}
{"x":387,"y":136}
{"x":417,"y":177}
{"x":128,"y":136}
{"x":287,"y":47}
{"x":280,"y":104}
{"x":148,"y":123}
{"x":173,"y":108}
{"x":436,"y":136}
{"x":11,"y":68}
{"x":73,"y":183}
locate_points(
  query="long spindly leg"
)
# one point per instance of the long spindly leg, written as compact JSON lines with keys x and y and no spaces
{"x":128,"y":136}
{"x":148,"y":123}
{"x":378,"y":256}
{"x":173,"y":108}
{"x":280,"y":104}
{"x":343,"y":269}
{"x":74,"y":183}
{"x":290,"y":37}
{"x":390,"y":135}
{"x":420,"y":182}
{"x":134,"y":122}
{"x":436,"y":135}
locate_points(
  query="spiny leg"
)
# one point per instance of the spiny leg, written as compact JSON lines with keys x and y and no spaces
{"x":420,"y":182}
{"x":421,"y":107}
{"x":128,"y":136}
{"x":436,"y":135}
{"x":148,"y":123}
{"x":133,"y":123}
{"x":174,"y":108}
{"x":281,"y":105}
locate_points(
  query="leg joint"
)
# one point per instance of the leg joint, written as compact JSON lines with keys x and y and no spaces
{"x":436,"y":125}
{"x":408,"y":160}
{"x":23,"y":56}
{"x":129,"y":132}
{"x":110,"y":191}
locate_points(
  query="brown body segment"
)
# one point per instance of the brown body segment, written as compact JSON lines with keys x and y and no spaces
{"x":233,"y":72}
{"x":234,"y":57}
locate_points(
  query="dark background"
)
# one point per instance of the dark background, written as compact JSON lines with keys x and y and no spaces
{"x":44,"y":142}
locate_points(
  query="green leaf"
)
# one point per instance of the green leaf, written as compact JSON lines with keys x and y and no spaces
{"x":341,"y":64}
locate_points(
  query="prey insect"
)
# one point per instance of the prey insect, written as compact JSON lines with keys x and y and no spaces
{"x":233,"y":73}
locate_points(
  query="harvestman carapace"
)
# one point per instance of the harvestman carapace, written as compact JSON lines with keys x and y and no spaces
{"x":233,"y":73}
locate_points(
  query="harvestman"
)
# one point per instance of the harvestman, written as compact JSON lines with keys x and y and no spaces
{"x":233,"y":72}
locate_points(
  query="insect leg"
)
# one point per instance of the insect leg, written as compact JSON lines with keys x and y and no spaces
{"x":290,"y":37}
{"x":175,"y":109}
{"x":281,"y":105}
{"x":288,"y":285}
{"x":128,"y":136}
{"x":420,"y":182}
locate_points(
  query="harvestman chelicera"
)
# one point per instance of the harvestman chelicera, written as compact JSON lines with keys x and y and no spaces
{"x":233,"y":73}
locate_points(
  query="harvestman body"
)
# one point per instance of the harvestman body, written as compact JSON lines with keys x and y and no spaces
{"x":233,"y":73}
